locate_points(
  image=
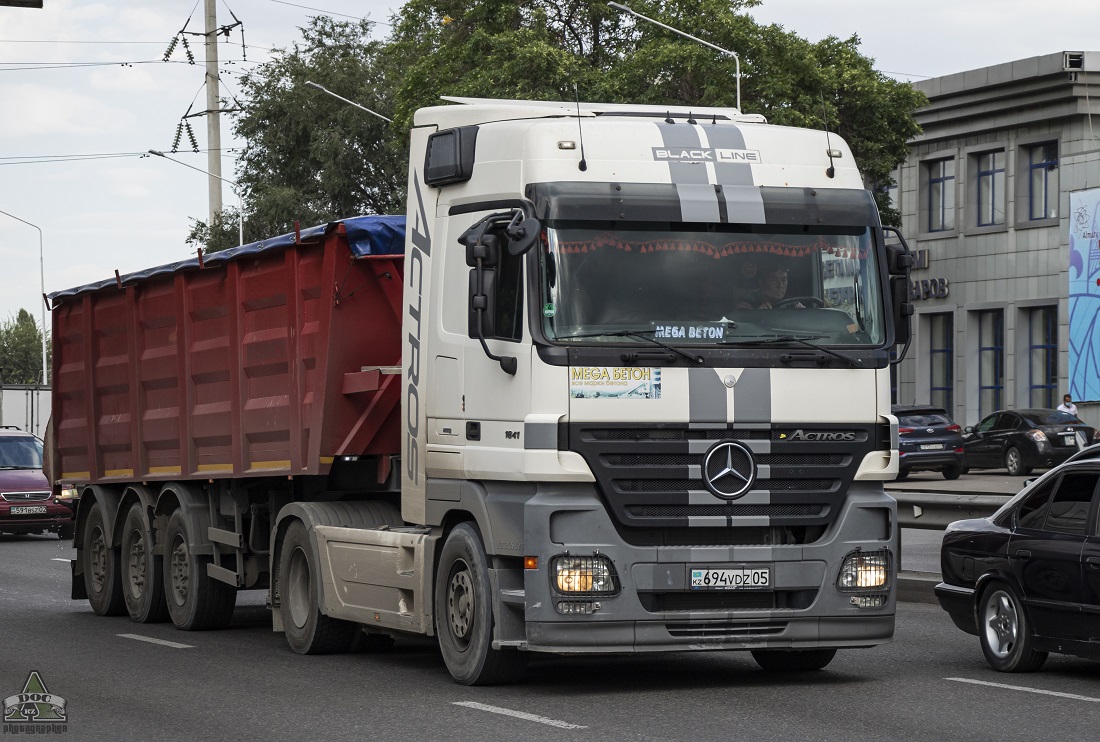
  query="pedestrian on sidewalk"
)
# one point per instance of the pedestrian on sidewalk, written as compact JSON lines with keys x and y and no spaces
{"x":1068,"y":405}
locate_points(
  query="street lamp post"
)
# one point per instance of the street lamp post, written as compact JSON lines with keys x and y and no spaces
{"x":236,"y":189}
{"x":727,"y":52}
{"x":42,"y":279}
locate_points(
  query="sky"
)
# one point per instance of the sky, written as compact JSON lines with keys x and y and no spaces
{"x":71,"y":136}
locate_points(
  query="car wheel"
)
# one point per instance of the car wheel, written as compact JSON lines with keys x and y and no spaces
{"x":902,"y":474}
{"x":964,"y":469}
{"x":1005,"y":631}
{"x":1014,"y":462}
{"x":102,"y":577}
{"x":952,"y":472}
{"x":142,"y":580}
{"x":793,"y":660}
{"x":464,"y":614}
{"x":308,"y":631}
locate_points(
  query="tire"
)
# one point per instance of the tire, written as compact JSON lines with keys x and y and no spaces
{"x":102,"y":580}
{"x":902,"y":475}
{"x":66,"y":532}
{"x":308,"y":631}
{"x":142,"y":572}
{"x":464,"y":614}
{"x":195,"y":601}
{"x":964,"y":470}
{"x":1014,"y":462}
{"x":793,"y":660}
{"x":952,"y":472}
{"x":1005,"y":631}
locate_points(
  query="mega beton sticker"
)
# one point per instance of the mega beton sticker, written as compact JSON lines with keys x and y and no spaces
{"x":614,"y":382}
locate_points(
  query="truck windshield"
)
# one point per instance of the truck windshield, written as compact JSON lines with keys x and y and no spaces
{"x":696,"y":284}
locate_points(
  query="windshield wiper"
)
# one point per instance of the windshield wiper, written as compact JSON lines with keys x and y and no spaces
{"x":801,"y":339}
{"x":640,"y":335}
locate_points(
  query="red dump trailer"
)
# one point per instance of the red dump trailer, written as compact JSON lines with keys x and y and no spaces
{"x":265,"y":374}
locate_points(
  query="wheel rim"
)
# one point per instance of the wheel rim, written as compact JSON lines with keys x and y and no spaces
{"x":1013,"y":460}
{"x":297,"y":588}
{"x":1002,"y":624}
{"x":98,"y":558}
{"x":461,"y":607}
{"x":135,"y":564}
{"x":180,"y":570}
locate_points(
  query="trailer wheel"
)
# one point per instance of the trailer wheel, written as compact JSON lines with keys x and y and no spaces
{"x":308,"y":631}
{"x":464,"y":614}
{"x":195,"y":600}
{"x":793,"y":660}
{"x":102,"y":580}
{"x":142,"y":579}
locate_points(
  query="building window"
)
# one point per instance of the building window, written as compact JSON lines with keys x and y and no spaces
{"x":941,"y":195}
{"x":1042,"y":181}
{"x":991,"y":188}
{"x":991,"y":361}
{"x":1043,"y":356}
{"x":941,"y":356}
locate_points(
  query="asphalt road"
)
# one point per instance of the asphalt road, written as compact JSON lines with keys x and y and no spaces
{"x":243,"y":683}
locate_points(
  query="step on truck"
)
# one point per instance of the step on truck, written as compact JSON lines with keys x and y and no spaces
{"x":619,"y":381}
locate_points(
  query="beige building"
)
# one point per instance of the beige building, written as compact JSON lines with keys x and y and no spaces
{"x":984,"y":197}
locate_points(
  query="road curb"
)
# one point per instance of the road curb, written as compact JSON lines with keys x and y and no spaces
{"x":918,"y":587}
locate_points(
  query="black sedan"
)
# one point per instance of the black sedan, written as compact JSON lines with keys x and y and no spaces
{"x":1021,"y":440}
{"x":928,"y":440}
{"x":1026,"y":580}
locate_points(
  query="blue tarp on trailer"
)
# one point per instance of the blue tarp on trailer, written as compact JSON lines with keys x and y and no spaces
{"x":367,"y":235}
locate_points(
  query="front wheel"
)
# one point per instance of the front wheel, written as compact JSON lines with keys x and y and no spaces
{"x":1005,"y":632}
{"x":952,"y":472}
{"x":1014,"y":462}
{"x":464,"y":614}
{"x":793,"y":660}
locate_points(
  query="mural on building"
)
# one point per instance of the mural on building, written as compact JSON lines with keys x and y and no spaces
{"x":1084,"y":294}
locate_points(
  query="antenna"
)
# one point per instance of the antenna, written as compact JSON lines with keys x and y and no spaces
{"x":582,"y":165}
{"x":830,"y":171}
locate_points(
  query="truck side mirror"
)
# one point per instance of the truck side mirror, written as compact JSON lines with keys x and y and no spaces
{"x":899,"y":261}
{"x":523,"y":235}
{"x":483,"y":255}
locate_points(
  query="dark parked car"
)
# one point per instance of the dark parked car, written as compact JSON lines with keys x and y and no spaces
{"x":1026,"y":580}
{"x":1020,"y":440}
{"x":26,"y":503}
{"x":928,"y":440}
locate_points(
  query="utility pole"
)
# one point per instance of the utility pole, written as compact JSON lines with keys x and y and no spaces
{"x":213,"y":111}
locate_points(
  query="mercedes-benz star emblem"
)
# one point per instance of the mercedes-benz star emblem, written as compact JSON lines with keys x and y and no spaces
{"x":729,"y":470}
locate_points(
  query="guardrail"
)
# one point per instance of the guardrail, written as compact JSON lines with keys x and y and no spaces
{"x":936,"y":510}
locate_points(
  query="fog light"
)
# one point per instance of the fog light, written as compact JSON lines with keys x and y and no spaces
{"x":577,"y":607}
{"x":591,"y":574}
{"x":864,"y":570}
{"x":868,"y":601}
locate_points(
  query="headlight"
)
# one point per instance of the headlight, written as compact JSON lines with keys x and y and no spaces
{"x":589,"y":575}
{"x":865,"y":570}
{"x":68,"y":492}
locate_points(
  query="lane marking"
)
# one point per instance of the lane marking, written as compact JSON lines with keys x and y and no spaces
{"x":519,"y":715}
{"x":57,"y":559}
{"x":151,"y":640}
{"x":1072,"y":696}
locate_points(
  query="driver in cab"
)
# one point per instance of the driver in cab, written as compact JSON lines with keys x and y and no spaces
{"x":771,"y":285}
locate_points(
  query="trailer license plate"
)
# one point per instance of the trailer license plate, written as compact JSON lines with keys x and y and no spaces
{"x":731,"y":579}
{"x":931,"y":447}
{"x":27,"y":509}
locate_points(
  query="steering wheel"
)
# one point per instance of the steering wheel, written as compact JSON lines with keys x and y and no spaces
{"x":806,"y":301}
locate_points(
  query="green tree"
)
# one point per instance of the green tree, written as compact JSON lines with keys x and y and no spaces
{"x":311,"y":158}
{"x":21,"y":349}
{"x":223,"y":234}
